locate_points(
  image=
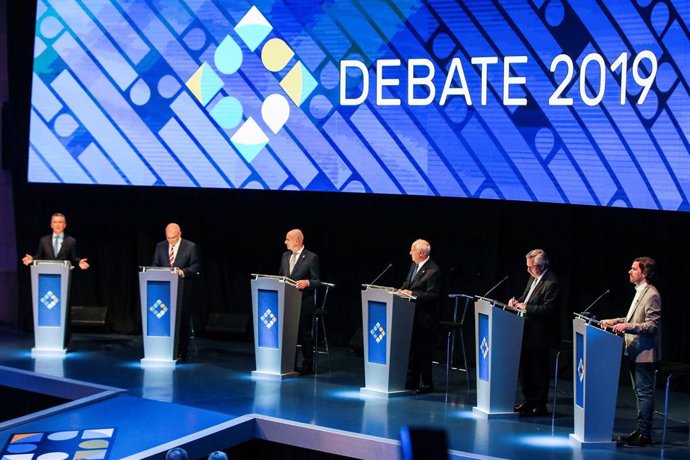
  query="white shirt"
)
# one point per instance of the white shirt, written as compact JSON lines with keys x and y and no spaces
{"x":534,"y":285}
{"x":638,"y":293}
{"x":175,"y":248}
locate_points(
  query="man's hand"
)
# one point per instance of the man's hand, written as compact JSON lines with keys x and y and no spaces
{"x":84,"y":264}
{"x":27,"y":259}
{"x":302,"y":284}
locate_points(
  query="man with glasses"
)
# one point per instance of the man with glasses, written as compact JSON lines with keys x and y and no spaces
{"x":540,"y":305}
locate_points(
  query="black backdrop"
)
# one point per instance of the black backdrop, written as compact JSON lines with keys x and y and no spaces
{"x":476,"y":242}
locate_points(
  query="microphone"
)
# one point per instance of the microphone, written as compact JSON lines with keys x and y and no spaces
{"x":594,"y":303}
{"x":381,"y":274}
{"x":495,"y":286}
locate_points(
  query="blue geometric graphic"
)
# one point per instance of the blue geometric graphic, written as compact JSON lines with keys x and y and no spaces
{"x":73,"y":444}
{"x":268,"y":322}
{"x":563,"y":102}
{"x":158,"y":317}
{"x":49,"y":300}
{"x":580,"y":369}
{"x":484,"y":348}
{"x":377,"y":338}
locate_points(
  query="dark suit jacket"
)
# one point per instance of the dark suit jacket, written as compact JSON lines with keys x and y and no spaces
{"x":542,"y":327}
{"x":68,"y":251}
{"x":306,"y":268}
{"x":427,"y":286}
{"x":187,"y":258}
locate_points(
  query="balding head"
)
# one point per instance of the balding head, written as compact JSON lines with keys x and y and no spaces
{"x":294,"y":240}
{"x":420,"y":251}
{"x":173,"y":233}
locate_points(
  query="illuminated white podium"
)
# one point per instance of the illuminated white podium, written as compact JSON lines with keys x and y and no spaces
{"x":387,"y":319}
{"x":596,"y":369}
{"x":276,"y":303}
{"x":50,"y":281}
{"x":158,"y":291}
{"x":498,"y":329}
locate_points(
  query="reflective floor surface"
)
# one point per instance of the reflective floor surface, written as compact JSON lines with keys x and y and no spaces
{"x":161,"y":405}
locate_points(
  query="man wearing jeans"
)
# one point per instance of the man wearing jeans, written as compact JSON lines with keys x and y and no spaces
{"x":642,"y":329}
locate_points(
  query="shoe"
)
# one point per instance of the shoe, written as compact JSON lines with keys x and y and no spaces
{"x":424,"y":389}
{"x":631,"y":437}
{"x":305,"y":370}
{"x":523,"y":407}
{"x":182,"y":358}
{"x":640,"y":441}
{"x":539,"y":411}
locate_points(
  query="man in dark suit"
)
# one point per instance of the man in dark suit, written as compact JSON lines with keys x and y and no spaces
{"x":642,"y":329}
{"x":58,"y":245}
{"x":182,"y":257}
{"x":540,"y":305}
{"x":424,"y":282}
{"x":302,"y":265}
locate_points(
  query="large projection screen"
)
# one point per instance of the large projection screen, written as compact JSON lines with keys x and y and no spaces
{"x":582,"y":102}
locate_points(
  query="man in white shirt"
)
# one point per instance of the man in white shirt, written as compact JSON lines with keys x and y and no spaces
{"x":642,"y":329}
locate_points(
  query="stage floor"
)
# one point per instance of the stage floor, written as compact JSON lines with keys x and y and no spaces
{"x":161,"y":405}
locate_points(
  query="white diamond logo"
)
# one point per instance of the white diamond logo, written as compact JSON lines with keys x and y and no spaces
{"x":50,"y":300}
{"x":484,"y":347}
{"x":268,"y":318}
{"x":159,"y":309}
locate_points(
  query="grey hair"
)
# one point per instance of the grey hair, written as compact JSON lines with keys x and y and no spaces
{"x":422,"y":246}
{"x":541,"y":260}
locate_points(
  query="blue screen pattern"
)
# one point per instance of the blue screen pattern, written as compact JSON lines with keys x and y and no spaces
{"x":249,"y":95}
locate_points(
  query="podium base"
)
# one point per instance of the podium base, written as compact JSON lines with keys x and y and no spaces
{"x":481,"y":413}
{"x":592,"y":444}
{"x":384,"y":394}
{"x":48,"y":353}
{"x":270,"y":376}
{"x":149,"y":362}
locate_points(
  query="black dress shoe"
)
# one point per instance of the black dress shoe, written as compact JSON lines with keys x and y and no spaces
{"x":539,"y":411}
{"x":424,"y":389}
{"x":639,"y":441}
{"x":305,"y":370}
{"x":523,"y":407}
{"x":631,"y":437}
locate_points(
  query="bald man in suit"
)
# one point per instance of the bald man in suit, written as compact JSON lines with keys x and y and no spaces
{"x":302,"y":265}
{"x":182,"y":256}
{"x":642,"y":329}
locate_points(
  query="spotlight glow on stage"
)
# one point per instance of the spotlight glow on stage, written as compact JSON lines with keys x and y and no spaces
{"x":552,"y":442}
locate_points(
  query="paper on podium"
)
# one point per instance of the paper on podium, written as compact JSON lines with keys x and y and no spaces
{"x":66,"y":263}
{"x":500,"y":305}
{"x":390,"y":290}
{"x":280,"y":278}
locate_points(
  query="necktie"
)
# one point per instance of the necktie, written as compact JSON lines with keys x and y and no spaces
{"x":293,"y":261}
{"x":531,"y":290}
{"x":414,"y":272}
{"x":55,"y":245}
{"x":171,"y":256}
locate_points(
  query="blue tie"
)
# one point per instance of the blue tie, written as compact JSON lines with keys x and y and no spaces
{"x":414,"y":272}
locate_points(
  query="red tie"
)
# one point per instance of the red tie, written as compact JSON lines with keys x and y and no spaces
{"x":171,"y":256}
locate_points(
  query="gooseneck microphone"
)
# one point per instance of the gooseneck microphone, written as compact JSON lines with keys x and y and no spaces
{"x":595,"y":302}
{"x":495,"y":286}
{"x":381,"y":274}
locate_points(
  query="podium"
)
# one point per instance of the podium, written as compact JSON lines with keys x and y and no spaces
{"x":158,"y":291}
{"x":50,"y":281}
{"x":387,"y":319}
{"x":276,"y":304}
{"x":596,"y":368}
{"x":498,"y":332}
